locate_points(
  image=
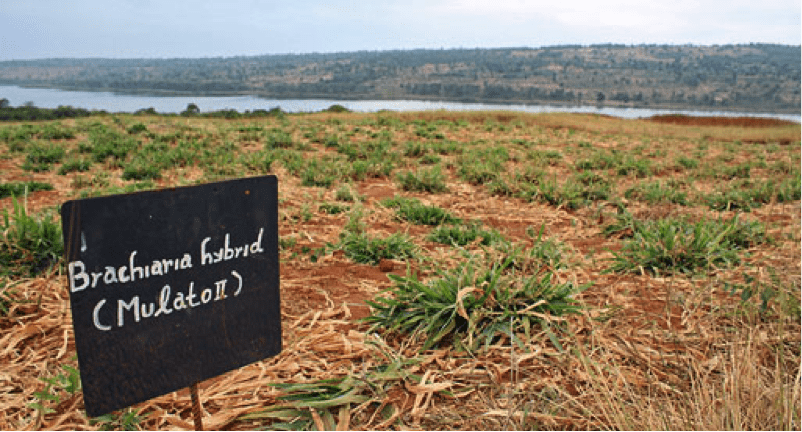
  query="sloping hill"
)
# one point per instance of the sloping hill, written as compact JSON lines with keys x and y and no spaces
{"x":752,"y":77}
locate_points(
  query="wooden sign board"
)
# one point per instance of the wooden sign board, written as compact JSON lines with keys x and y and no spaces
{"x":171,"y":287}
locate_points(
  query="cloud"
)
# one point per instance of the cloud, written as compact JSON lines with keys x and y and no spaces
{"x":172,"y":28}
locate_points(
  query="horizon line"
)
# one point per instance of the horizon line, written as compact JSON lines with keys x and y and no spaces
{"x":378,"y":51}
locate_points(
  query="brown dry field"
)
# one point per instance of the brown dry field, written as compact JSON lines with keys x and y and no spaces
{"x":647,"y":352}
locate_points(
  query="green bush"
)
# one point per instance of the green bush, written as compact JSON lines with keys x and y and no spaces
{"x":137,"y":128}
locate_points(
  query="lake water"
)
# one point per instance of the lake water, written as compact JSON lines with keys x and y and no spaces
{"x":115,"y":102}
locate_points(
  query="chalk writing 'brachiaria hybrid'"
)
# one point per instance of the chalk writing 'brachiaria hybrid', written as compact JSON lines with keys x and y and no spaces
{"x":81,"y":278}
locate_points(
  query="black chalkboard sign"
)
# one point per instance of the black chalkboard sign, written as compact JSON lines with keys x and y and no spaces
{"x":171,"y":287}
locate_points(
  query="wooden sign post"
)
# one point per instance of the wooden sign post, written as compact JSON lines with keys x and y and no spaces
{"x":171,"y":287}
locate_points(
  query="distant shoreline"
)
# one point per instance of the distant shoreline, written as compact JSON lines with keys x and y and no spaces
{"x":377,"y":97}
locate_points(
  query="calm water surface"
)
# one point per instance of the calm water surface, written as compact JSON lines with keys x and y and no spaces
{"x":114,"y":102}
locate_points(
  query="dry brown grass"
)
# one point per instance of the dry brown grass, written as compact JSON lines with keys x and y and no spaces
{"x":649,"y":352}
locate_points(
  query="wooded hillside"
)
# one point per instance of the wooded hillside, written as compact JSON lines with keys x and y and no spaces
{"x":753,"y":77}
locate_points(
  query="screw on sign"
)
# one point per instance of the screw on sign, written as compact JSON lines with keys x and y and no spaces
{"x":171,"y":287}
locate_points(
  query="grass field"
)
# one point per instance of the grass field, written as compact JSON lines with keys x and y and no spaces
{"x":444,"y":270}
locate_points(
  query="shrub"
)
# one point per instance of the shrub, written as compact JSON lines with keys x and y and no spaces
{"x":137,"y":128}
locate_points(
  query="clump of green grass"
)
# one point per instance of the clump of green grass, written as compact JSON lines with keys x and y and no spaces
{"x":429,"y":180}
{"x":412,"y":210}
{"x":481,"y":166}
{"x":141,"y":169}
{"x":655,"y":193}
{"x":259,"y":162}
{"x":320,"y":173}
{"x":319,"y":404}
{"x":277,"y":138}
{"x":346,"y":193}
{"x":632,"y":166}
{"x":107,"y":144}
{"x":461,"y":235}
{"x":579,"y":191}
{"x":745,"y":195}
{"x":55,"y":131}
{"x":74,"y":165}
{"x":28,"y":245}
{"x":42,"y":156}
{"x":138,"y":128}
{"x":678,"y":245}
{"x":21,"y":188}
{"x":364,"y":249}
{"x":687,"y":163}
{"x":332,"y":209}
{"x":472,"y":306}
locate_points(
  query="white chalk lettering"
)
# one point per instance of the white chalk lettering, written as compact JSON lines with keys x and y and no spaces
{"x":206,"y":296}
{"x":111,"y":276}
{"x":156,"y":268}
{"x":179,"y":303}
{"x":209,"y":255}
{"x":256,"y":247}
{"x":95,"y":277}
{"x":191,"y":296}
{"x":134,"y":270}
{"x":74,"y":277}
{"x":164,"y":301}
{"x":221,"y":290}
{"x":138,"y":310}
{"x":81,"y":279}
{"x":206,"y":257}
{"x":147,"y":313}
{"x":121,"y":275}
{"x":132,"y":305}
{"x":239,"y":278}
{"x":96,"y":316}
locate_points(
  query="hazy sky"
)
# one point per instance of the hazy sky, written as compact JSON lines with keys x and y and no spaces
{"x":31,"y":29}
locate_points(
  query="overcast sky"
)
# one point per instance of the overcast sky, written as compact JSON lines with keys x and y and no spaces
{"x":33,"y":29}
